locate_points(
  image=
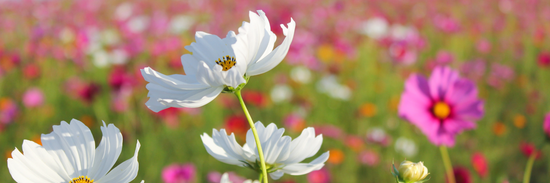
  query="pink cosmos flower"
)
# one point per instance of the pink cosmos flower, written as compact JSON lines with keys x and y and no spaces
{"x":319,"y":176}
{"x":33,"y":97}
{"x":546,"y":125}
{"x":528,"y":149}
{"x":479,"y":162}
{"x":441,"y":106}
{"x":369,"y":157}
{"x":401,"y":52}
{"x":444,"y":57}
{"x":462,"y":175}
{"x":499,"y":75}
{"x":544,"y":59}
{"x":179,"y":173}
{"x":294,"y":122}
{"x":483,"y":46}
{"x":331,"y":131}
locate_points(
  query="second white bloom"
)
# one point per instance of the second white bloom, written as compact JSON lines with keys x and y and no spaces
{"x":218,"y":63}
{"x":282,"y":155}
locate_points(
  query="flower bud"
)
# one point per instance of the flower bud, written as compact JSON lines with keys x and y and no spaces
{"x":412,"y":172}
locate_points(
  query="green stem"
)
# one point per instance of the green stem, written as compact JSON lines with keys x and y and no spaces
{"x":261,"y":177}
{"x":529,"y":167}
{"x":253,"y":128}
{"x":447,"y":164}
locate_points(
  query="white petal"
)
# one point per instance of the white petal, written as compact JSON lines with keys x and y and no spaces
{"x":68,"y":144}
{"x":225,"y":178}
{"x":172,"y":82}
{"x":35,"y":166}
{"x":233,"y":78}
{"x":125,"y":172}
{"x":190,"y":64}
{"x":281,"y":148}
{"x":305,"y":146}
{"x":260,"y":39}
{"x":219,"y":152}
{"x":192,"y":99}
{"x":276,"y":175}
{"x":240,"y":50}
{"x":209,"y":75}
{"x":274,"y":58}
{"x":209,"y":48}
{"x":107,"y":152}
{"x":181,"y":90}
{"x":304,"y":168}
{"x":250,"y":140}
{"x":273,"y":146}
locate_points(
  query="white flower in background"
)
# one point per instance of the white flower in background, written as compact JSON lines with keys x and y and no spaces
{"x":375,"y":28}
{"x":101,"y":58}
{"x":119,"y":56}
{"x":218,"y":63}
{"x":225,"y":179}
{"x":401,"y":32}
{"x":300,"y":74}
{"x":110,"y":37}
{"x":180,"y":23}
{"x":281,"y":93}
{"x":67,"y":35}
{"x":376,"y":134}
{"x":406,"y":146}
{"x":138,"y":24}
{"x":281,"y":154}
{"x":124,"y":11}
{"x":331,"y":87}
{"x":68,"y":155}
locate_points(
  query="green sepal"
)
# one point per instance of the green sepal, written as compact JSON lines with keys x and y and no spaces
{"x":229,"y":89}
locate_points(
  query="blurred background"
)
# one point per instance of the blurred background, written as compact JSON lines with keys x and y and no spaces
{"x":344,"y":74}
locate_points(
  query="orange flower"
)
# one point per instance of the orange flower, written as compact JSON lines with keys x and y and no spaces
{"x":368,"y":110}
{"x":336,"y":156}
{"x":326,"y":53}
{"x":519,"y":121}
{"x":499,"y":128}
{"x":87,"y":120}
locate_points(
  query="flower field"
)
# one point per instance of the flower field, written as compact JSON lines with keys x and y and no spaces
{"x":462,"y":86}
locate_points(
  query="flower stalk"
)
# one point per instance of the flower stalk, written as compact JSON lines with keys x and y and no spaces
{"x":529,"y":167}
{"x":447,"y":164}
{"x":253,"y":128}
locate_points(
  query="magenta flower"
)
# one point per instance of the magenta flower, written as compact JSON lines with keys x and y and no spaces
{"x":8,"y":111}
{"x":442,"y":106}
{"x":546,"y":125}
{"x":179,"y":173}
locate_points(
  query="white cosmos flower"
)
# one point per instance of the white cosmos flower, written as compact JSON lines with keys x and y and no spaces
{"x":68,"y":155}
{"x":281,"y":154}
{"x":217,"y":63}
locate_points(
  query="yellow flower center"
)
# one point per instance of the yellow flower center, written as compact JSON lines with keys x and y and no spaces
{"x":82,"y":179}
{"x":441,"y":110}
{"x":226,"y":62}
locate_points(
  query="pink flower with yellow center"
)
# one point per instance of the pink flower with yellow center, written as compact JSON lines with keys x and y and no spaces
{"x":441,"y":106}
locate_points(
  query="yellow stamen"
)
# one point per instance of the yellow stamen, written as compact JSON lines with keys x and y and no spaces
{"x":226,"y":62}
{"x":441,"y":110}
{"x":82,"y":179}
